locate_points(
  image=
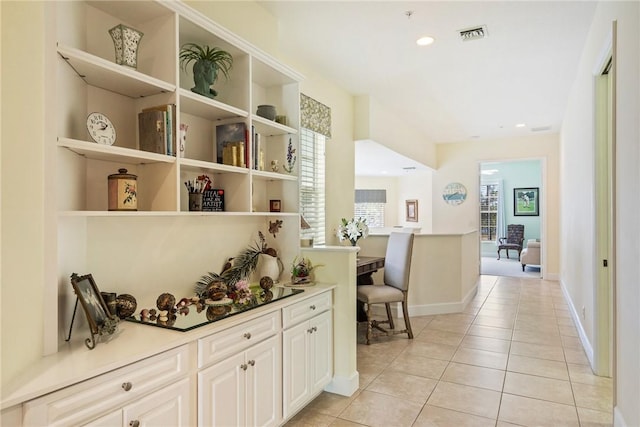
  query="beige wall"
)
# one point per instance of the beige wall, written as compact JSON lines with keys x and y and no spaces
{"x":460,"y":162}
{"x":376,"y":122}
{"x":23,"y":233}
{"x":577,"y":182}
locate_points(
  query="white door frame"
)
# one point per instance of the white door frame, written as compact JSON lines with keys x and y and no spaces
{"x":604,"y":187}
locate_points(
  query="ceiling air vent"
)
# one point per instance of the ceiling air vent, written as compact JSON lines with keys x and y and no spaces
{"x":541,"y":129}
{"x":474,"y":33}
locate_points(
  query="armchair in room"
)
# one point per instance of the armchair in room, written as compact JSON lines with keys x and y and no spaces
{"x":513,"y":241}
{"x":531,"y":254}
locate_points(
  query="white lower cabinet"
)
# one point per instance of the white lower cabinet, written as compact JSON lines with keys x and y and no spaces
{"x":307,"y":361}
{"x":244,"y":389}
{"x":151,"y":392}
{"x":166,"y":407}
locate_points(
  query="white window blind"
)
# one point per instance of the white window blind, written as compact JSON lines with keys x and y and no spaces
{"x":370,"y":205}
{"x":312,"y":183}
{"x":489,"y":206}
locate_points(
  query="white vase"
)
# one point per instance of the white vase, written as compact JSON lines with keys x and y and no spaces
{"x":125,"y":42}
{"x":269,"y":266}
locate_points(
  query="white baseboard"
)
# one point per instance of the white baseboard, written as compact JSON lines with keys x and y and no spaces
{"x":588,"y":348}
{"x":344,"y":386}
{"x":428,"y":309}
{"x":618,"y":419}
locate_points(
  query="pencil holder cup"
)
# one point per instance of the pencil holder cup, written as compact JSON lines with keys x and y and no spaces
{"x":195,"y":201}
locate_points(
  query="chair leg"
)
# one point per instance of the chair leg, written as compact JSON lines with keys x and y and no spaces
{"x":368,"y":324}
{"x":407,"y":323}
{"x":498,"y":254}
{"x":388,"y":307}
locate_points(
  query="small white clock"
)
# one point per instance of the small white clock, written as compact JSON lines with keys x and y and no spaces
{"x":101,"y":129}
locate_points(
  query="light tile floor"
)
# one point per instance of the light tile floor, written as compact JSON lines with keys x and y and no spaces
{"x":512,"y":358}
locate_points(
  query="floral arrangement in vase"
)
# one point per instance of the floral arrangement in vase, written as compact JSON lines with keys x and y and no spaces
{"x":353,"y":230}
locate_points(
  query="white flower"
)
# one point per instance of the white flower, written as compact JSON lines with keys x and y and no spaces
{"x":353,"y":230}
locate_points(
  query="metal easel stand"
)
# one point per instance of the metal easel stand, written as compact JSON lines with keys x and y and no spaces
{"x":109,"y":327}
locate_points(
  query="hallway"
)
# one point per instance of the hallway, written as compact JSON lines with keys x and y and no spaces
{"x":512,"y":358}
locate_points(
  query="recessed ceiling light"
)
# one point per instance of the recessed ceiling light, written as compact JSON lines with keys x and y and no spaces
{"x":425,"y":41}
{"x":520,"y":125}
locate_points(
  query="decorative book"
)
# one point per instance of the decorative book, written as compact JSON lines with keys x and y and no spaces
{"x":152,"y":131}
{"x":231,"y":138}
{"x":213,"y":200}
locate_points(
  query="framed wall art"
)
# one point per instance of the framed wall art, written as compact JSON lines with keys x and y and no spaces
{"x":412,"y":210}
{"x":275,"y":205}
{"x":526,"y":201}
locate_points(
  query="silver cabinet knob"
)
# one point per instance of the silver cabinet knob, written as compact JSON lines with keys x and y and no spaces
{"x":135,"y":423}
{"x":247,"y":335}
{"x":243,"y":366}
{"x":127,"y":386}
{"x":313,"y":307}
{"x":252,"y":362}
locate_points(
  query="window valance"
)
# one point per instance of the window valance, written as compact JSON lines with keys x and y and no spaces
{"x":315,"y":116}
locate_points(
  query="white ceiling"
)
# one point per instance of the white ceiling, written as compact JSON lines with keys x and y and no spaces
{"x":452,"y":90}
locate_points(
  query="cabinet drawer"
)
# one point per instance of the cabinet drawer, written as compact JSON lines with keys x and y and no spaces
{"x":222,"y":344}
{"x":85,"y":401}
{"x":306,"y":309}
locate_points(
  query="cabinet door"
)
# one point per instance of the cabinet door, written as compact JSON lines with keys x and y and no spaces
{"x":221,"y":393}
{"x":295,"y":362}
{"x":110,"y":420}
{"x":264,"y":387}
{"x":166,"y":407}
{"x":322,"y":351}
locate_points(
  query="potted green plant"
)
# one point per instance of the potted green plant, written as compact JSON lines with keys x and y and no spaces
{"x":301,"y":270}
{"x":208,"y":63}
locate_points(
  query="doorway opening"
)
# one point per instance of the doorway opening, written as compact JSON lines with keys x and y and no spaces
{"x":510,"y":193}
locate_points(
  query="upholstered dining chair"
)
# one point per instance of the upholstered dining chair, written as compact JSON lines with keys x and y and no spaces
{"x":395,"y":288}
{"x":513,"y":241}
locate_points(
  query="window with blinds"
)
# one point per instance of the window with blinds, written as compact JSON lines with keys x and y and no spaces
{"x":370,"y":205}
{"x":488,"y":211}
{"x":312,"y":183}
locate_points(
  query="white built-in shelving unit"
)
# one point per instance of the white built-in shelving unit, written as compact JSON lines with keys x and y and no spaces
{"x":87,"y":79}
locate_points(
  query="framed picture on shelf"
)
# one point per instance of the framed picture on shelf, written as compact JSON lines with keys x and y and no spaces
{"x":526,"y":201}
{"x":275,"y":206}
{"x":412,"y":210}
{"x":91,"y":300}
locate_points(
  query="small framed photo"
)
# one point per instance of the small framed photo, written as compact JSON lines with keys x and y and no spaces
{"x":526,"y":201}
{"x":412,"y":210}
{"x":275,"y":206}
{"x":92,"y":303}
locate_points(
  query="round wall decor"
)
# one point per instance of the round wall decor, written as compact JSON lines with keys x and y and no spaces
{"x":454,"y":193}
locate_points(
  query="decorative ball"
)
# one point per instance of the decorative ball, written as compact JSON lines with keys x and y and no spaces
{"x":266,"y":283}
{"x":215,"y":311}
{"x":125,"y":305}
{"x":267,"y":296}
{"x":165,"y":301}
{"x":216,"y":291}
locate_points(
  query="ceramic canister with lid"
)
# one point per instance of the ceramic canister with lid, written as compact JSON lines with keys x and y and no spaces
{"x":123,"y":191}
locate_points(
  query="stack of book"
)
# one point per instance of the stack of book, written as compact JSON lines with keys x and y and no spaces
{"x":157,"y":130}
